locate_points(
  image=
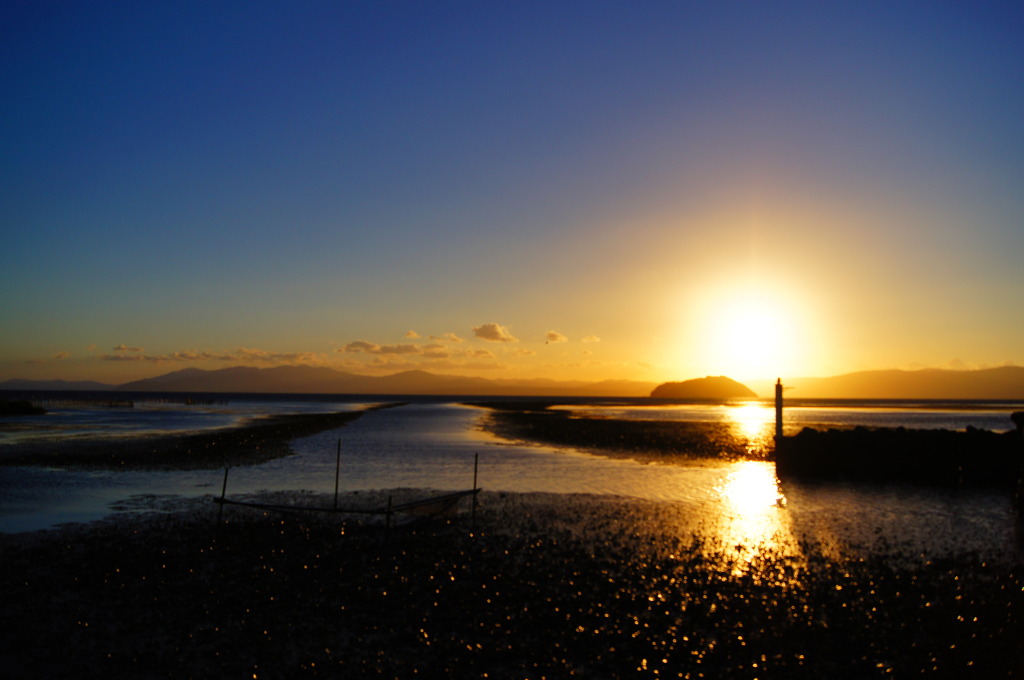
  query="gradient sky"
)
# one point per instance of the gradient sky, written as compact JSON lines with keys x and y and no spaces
{"x":571,"y":190}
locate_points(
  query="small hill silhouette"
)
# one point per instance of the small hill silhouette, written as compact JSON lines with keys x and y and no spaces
{"x":711,"y":387}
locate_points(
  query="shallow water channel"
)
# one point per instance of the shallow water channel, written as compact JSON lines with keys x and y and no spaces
{"x":432,"y":446}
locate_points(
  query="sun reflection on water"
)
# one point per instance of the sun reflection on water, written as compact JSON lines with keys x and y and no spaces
{"x":754,"y":521}
{"x":754,"y":423}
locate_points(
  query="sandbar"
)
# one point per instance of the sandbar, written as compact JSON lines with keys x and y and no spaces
{"x":254,"y":441}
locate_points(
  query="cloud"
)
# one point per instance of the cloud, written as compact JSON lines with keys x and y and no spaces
{"x":132,"y":357}
{"x":360,"y":346}
{"x":242,"y":354}
{"x":591,"y":338}
{"x":494,"y":332}
{"x":61,"y":355}
{"x":266,"y":356}
{"x":412,"y":335}
{"x":524,"y":353}
{"x":447,"y":337}
{"x":374,"y":348}
{"x":555,"y":336}
{"x":126,"y":348}
{"x":435,"y":351}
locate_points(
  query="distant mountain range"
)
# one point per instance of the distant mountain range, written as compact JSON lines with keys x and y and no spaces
{"x":1006,"y":382}
{"x":319,"y":380}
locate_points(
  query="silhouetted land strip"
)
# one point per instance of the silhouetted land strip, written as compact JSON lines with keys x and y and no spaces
{"x":255,"y":441}
{"x":19,"y":407}
{"x":645,"y":440}
{"x":951,"y":458}
{"x":549,"y":586}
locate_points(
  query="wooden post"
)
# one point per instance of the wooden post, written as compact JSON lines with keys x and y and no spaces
{"x":223,"y":491}
{"x":337,"y":473}
{"x":1018,"y":420}
{"x":476,"y":465}
{"x":778,"y":413}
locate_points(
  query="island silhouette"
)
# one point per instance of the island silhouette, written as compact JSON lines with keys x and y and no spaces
{"x":712,"y":387}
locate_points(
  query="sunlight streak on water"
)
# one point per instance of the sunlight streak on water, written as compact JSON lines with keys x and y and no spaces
{"x":754,"y":520}
{"x":752,"y":419}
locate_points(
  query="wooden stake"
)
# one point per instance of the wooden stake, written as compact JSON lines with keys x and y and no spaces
{"x":223,"y":491}
{"x":476,"y":465}
{"x":337,"y":472}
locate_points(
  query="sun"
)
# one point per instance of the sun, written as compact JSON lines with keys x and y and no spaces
{"x":748,"y":334}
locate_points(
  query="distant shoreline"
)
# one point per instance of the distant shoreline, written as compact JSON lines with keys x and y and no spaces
{"x":256,"y":440}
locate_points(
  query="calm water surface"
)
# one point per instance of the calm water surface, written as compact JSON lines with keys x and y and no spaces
{"x":432,"y":446}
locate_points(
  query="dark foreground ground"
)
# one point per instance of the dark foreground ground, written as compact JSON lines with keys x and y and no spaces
{"x":538,"y":586}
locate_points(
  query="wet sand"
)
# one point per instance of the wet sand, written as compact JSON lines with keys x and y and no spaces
{"x":539,"y":586}
{"x":254,"y":441}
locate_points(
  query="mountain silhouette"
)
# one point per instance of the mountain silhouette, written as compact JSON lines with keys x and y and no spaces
{"x":1005,"y":382}
{"x":321,"y":380}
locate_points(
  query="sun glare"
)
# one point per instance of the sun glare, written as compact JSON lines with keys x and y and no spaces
{"x":753,"y":421}
{"x":748,"y":334}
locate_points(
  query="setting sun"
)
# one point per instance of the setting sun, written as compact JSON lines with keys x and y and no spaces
{"x":748,"y":334}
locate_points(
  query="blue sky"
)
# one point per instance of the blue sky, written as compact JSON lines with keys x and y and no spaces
{"x":693,"y":188}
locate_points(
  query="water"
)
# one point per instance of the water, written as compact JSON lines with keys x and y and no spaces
{"x":805,"y":413}
{"x":431,"y":446}
{"x":152,"y":417}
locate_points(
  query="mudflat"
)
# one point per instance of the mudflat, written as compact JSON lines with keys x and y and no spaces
{"x":254,"y":441}
{"x":533,"y":585}
{"x":643,"y":440}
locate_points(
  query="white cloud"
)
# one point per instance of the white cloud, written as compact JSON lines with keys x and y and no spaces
{"x":61,"y":355}
{"x":126,"y":348}
{"x":591,"y":338}
{"x":494,"y":332}
{"x":412,"y":335}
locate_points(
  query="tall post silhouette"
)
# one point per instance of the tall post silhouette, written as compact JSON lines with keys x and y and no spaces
{"x":778,"y":412}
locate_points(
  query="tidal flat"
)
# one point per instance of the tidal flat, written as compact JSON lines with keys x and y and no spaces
{"x":254,"y":441}
{"x":528,"y":586}
{"x":531,"y":585}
